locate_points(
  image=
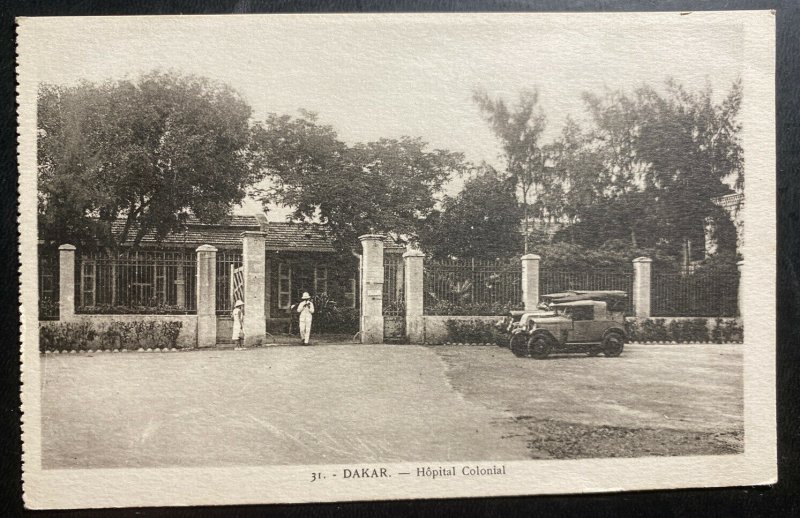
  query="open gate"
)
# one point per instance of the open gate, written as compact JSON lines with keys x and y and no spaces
{"x":394,"y":302}
{"x":237,"y":284}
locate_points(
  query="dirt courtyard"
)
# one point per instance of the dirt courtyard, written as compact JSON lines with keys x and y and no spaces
{"x":344,"y":403}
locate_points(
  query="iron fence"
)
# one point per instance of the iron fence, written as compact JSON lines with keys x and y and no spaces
{"x":227,"y":261}
{"x":555,"y":281}
{"x":147,"y":282}
{"x":48,"y":286}
{"x":699,"y":294}
{"x":472,"y":287}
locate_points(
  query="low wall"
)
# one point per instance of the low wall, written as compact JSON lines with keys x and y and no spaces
{"x":434,"y":330}
{"x":187,"y":338}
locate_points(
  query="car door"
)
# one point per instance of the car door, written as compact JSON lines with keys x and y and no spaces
{"x":582,"y":320}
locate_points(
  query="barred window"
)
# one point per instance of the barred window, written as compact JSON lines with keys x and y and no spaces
{"x":350,"y":292}
{"x":284,"y":285}
{"x":320,"y":280}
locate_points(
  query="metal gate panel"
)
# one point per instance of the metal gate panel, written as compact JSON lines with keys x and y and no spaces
{"x":394,"y":302}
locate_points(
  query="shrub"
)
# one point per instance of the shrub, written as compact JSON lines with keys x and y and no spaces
{"x":730,"y":331}
{"x":682,"y":331}
{"x":473,"y":332}
{"x":443,"y":307}
{"x":150,"y":309}
{"x":71,"y":336}
{"x":82,"y":336}
{"x":329,"y":317}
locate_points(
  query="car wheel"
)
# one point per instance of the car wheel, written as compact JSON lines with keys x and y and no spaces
{"x":540,"y":346}
{"x":613,"y":344}
{"x":519,"y":345}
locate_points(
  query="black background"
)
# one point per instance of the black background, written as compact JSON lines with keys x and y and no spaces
{"x":778,"y":500}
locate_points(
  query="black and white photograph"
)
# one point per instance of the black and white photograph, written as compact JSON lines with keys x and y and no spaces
{"x":309,"y":258}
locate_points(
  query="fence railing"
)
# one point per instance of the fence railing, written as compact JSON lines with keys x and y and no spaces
{"x":48,"y":286}
{"x":472,"y":287}
{"x":227,"y":260}
{"x":147,"y":282}
{"x":699,"y":294}
{"x":554,"y":281}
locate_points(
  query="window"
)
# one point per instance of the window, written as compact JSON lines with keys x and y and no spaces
{"x":350,"y":292}
{"x":320,"y":280}
{"x":284,"y":285}
{"x":583,"y":313}
{"x":87,"y":283}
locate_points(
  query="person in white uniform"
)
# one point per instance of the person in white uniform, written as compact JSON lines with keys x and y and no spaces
{"x":306,"y":310}
{"x":238,"y":323}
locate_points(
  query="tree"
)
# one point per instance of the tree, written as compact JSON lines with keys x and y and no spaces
{"x":655,"y":162}
{"x":152,"y":151}
{"x":482,"y":221}
{"x":519,"y":130}
{"x":385,"y":186}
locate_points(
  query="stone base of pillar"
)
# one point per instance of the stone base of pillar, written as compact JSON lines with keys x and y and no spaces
{"x":415,"y":329}
{"x":206,"y":330}
{"x":372,"y":330}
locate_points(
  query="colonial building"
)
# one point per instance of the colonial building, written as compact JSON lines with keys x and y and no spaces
{"x":734,"y":206}
{"x":159,"y":276}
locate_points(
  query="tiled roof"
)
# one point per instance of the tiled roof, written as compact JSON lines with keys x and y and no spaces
{"x":298,"y":237}
{"x":285,"y":236}
{"x":226,"y":234}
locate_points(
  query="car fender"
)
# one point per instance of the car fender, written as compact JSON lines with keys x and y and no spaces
{"x":545,"y":332}
{"x":615,"y":329}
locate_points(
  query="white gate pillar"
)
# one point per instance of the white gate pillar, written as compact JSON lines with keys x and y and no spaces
{"x":206,"y":296}
{"x":641,"y":286}
{"x":372,"y":288}
{"x":530,"y":281}
{"x":66,"y":282}
{"x":740,"y":293}
{"x":415,"y":295}
{"x":255,"y":277}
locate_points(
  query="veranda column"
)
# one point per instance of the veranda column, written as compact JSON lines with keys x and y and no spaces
{"x":255,"y":271}
{"x":641,"y":286}
{"x":414,"y":294}
{"x":206,"y":296}
{"x":66,"y":282}
{"x":372,"y":289}
{"x":740,"y":293}
{"x":530,"y":281}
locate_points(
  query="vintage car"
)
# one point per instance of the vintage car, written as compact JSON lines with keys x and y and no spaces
{"x":590,"y":322}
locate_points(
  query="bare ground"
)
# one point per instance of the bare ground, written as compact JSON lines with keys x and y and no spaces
{"x":653,"y":400}
{"x":335,"y":404}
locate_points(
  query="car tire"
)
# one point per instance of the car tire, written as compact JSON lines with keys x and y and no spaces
{"x":540,"y":346}
{"x":613,"y":343}
{"x":519,"y":345}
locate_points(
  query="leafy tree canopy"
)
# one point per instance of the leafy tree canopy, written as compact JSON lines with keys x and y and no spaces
{"x":152,"y":151}
{"x":482,"y":221}
{"x":519,"y":129}
{"x":648,"y":166}
{"x":385,"y":186}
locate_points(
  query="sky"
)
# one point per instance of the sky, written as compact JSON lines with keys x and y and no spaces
{"x":375,"y":76}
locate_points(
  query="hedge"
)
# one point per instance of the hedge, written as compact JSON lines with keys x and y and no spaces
{"x":85,"y":336}
{"x":474,"y":332}
{"x":474,"y":309}
{"x":683,"y":331}
{"x":642,"y":331}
